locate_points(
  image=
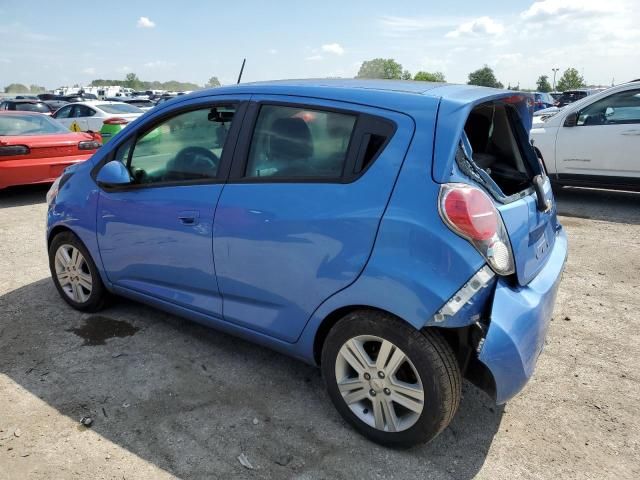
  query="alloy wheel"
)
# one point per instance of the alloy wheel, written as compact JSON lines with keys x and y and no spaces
{"x":379,"y":383}
{"x":73,"y":274}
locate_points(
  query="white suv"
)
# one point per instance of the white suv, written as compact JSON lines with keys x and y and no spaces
{"x":594,"y":141}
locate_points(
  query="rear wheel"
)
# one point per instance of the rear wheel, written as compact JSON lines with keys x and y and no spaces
{"x":75,"y":274}
{"x":394,"y":384}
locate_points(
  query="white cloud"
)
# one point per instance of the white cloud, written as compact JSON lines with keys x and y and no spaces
{"x":562,"y":10}
{"x":314,"y":58}
{"x":159,"y":64}
{"x":5,"y":60}
{"x":483,"y":26}
{"x":334,"y":48}
{"x":145,"y":22}
{"x":89,"y":71}
{"x":272,"y":51}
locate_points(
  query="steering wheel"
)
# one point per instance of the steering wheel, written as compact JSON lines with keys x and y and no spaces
{"x":194,"y":162}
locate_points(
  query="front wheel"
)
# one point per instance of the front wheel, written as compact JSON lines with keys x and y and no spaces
{"x":394,"y":384}
{"x":75,"y":274}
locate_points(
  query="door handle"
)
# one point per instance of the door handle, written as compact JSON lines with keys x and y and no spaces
{"x":189,"y":217}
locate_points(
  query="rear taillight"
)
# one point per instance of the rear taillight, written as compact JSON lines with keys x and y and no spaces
{"x":89,"y":145}
{"x":116,"y":121}
{"x":470,"y":213}
{"x":11,"y":150}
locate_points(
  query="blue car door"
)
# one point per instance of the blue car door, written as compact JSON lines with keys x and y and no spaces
{"x":155,"y":235}
{"x":298,"y":218}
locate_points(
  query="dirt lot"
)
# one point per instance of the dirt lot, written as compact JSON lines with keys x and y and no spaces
{"x":172,"y":399}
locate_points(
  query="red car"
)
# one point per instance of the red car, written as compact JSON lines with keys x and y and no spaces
{"x":34,"y":148}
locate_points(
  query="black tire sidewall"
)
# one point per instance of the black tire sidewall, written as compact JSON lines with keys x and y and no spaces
{"x":98,"y":292}
{"x":423,"y":354}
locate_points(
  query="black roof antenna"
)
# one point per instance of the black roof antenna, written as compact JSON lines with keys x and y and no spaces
{"x":241,"y":69}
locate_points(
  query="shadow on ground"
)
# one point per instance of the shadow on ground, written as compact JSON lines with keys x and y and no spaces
{"x":184,"y":397}
{"x":23,"y":195}
{"x":605,"y":205}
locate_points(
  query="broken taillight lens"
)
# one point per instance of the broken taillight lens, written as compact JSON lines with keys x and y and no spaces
{"x":470,"y":213}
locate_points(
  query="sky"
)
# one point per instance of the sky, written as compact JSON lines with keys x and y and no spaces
{"x":55,"y":43}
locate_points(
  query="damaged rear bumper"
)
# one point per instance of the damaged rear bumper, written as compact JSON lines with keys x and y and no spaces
{"x":518,"y":325}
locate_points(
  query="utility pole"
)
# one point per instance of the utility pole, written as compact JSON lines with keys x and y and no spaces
{"x":555,"y":70}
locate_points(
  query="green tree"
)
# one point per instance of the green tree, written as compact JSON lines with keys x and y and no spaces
{"x":406,"y":75}
{"x":37,"y":89}
{"x":16,"y":88}
{"x":570,"y":80}
{"x":429,"y":77}
{"x":543,"y":85}
{"x":131,"y":80}
{"x":484,"y":77}
{"x":213,"y":82}
{"x":380,"y":68}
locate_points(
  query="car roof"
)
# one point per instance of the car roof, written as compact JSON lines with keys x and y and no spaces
{"x":401,"y":94}
{"x":24,"y":100}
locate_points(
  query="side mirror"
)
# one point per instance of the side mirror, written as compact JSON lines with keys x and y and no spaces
{"x":113,"y":174}
{"x":571,"y":120}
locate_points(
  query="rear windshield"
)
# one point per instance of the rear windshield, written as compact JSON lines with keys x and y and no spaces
{"x":118,"y":108}
{"x":17,"y":124}
{"x":499,"y":147}
{"x":32,"y":107}
{"x":570,"y":97}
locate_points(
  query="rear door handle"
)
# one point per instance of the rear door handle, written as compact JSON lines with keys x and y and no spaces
{"x":189,"y":217}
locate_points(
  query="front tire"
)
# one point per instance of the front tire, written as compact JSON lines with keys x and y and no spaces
{"x":396,"y":385}
{"x":74,"y":273}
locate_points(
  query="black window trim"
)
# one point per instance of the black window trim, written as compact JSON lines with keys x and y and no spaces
{"x":227,"y":150}
{"x":355,"y":150}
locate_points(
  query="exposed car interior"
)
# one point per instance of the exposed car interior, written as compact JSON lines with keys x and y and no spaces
{"x":490,"y":131}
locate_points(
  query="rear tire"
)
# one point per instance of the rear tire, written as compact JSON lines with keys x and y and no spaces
{"x":416,"y":395}
{"x":75,"y":274}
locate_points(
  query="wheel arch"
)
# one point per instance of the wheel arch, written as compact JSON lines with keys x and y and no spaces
{"x":462,"y":340}
{"x":57,"y":230}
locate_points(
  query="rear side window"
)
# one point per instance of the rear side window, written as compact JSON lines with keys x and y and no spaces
{"x":293,"y":142}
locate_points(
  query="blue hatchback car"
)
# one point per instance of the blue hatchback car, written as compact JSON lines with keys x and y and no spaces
{"x":400,"y":235}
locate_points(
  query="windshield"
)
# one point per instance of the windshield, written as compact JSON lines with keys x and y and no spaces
{"x":118,"y":108}
{"x":16,"y":124}
{"x":33,"y":107}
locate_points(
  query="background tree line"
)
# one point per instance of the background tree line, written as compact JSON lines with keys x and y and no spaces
{"x":383,"y":68}
{"x":388,"y":68}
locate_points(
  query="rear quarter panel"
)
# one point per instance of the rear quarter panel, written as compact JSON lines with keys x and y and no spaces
{"x":417,"y":263}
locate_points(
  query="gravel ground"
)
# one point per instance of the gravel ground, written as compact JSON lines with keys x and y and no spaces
{"x":173,"y":399}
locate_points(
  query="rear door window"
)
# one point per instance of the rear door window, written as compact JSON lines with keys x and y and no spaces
{"x":294,"y":142}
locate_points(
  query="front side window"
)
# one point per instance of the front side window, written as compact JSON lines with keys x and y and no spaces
{"x":293,"y":142}
{"x":619,"y":108}
{"x":186,"y":147}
